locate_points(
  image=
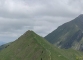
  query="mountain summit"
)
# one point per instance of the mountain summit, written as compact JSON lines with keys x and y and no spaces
{"x":31,"y":46}
{"x":68,"y":35}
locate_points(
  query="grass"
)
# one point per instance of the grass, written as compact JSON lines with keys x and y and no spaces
{"x":31,"y":46}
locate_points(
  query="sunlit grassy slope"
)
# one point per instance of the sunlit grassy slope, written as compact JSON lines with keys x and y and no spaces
{"x":31,"y":46}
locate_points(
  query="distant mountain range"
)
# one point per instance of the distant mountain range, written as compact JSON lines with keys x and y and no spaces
{"x":1,"y":43}
{"x":68,"y":35}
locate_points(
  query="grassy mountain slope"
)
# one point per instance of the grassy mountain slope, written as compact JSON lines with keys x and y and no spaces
{"x":68,"y":35}
{"x":30,"y":46}
{"x":71,"y":54}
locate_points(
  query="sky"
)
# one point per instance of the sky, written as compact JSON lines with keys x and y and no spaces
{"x":41,"y":16}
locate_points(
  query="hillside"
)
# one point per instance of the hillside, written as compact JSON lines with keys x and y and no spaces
{"x":30,"y":46}
{"x":68,"y":35}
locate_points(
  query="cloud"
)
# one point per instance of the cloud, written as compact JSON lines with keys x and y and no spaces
{"x":31,"y":8}
{"x":18,"y":16}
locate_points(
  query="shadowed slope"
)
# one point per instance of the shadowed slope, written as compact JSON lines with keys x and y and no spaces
{"x":68,"y":35}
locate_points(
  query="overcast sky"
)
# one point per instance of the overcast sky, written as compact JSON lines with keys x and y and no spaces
{"x":41,"y":16}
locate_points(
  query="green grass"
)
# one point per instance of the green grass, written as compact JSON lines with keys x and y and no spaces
{"x":31,"y":46}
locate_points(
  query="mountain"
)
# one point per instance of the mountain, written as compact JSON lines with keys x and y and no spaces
{"x":4,"y":46}
{"x":31,"y":46}
{"x":68,"y":35}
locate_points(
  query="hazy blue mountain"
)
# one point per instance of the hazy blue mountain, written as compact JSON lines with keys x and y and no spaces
{"x":1,"y":43}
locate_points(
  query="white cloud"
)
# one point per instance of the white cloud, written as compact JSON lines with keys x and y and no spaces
{"x":18,"y":16}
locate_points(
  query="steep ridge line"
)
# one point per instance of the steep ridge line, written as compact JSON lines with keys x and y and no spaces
{"x":45,"y":48}
{"x":49,"y":53}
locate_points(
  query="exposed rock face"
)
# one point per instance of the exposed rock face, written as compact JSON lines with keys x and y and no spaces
{"x":68,"y":35}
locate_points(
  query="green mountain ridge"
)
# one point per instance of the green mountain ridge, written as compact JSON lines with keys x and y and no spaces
{"x":68,"y":35}
{"x":30,"y":46}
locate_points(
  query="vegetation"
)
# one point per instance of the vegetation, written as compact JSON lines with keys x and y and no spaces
{"x":31,"y":46}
